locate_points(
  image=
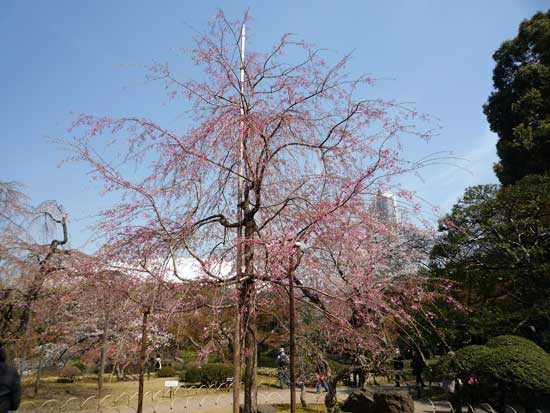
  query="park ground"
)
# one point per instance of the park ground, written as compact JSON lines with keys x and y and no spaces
{"x":120,"y":396}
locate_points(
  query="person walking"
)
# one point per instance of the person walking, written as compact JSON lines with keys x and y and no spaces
{"x":359,"y":370}
{"x":418,"y":365}
{"x":320,"y":376}
{"x":398,"y":365}
{"x":10,"y":386}
{"x":283,"y":362}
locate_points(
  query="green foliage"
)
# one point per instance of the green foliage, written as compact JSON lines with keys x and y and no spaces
{"x":188,"y":356}
{"x":191,"y":375}
{"x":80,"y":365}
{"x":496,"y":248}
{"x":336,"y":367}
{"x":166,"y":372}
{"x":65,"y":380}
{"x":512,"y":365}
{"x":468,"y":359}
{"x":216,"y":373}
{"x":267,"y":371}
{"x":266,"y":360}
{"x":518,"y":109}
{"x":516,"y":341}
{"x":521,"y":371}
{"x":211,"y":373}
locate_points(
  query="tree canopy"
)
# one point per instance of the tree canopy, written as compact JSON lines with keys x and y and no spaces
{"x":518,"y":109}
{"x":496,"y":246}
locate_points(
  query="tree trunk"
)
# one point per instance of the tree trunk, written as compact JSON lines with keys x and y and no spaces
{"x":292,"y":339}
{"x":101,"y":373}
{"x":26,"y":325}
{"x":249,"y":324}
{"x":38,"y":373}
{"x":237,"y":330}
{"x":250,"y":347}
{"x":331,"y":401}
{"x":142,"y":352}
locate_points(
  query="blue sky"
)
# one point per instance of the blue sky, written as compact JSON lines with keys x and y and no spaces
{"x":59,"y":57}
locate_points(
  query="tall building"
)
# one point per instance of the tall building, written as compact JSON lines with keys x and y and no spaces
{"x":385,"y":206}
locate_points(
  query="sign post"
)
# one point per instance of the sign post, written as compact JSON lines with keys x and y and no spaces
{"x":171,"y":384}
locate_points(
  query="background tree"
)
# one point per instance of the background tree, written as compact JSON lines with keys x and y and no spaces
{"x":33,"y":255}
{"x":518,"y":110}
{"x":496,"y":246}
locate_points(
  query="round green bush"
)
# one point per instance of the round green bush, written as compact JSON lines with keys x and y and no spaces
{"x":509,"y":340}
{"x":508,"y":368}
{"x":463,"y":363}
{"x":166,"y":372}
{"x":522,"y":372}
{"x":467,"y":360}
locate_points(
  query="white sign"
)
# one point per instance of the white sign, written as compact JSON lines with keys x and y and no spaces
{"x":171,"y":383}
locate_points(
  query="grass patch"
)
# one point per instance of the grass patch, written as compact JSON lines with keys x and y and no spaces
{"x":84,"y":387}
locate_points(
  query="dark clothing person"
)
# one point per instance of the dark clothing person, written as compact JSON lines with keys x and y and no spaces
{"x":418,"y":365}
{"x":10,"y":386}
{"x":398,"y":365}
{"x":359,"y":370}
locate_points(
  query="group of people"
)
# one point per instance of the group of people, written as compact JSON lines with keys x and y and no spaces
{"x":359,"y":370}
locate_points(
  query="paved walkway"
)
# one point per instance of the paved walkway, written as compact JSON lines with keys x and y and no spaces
{"x":221,"y":402}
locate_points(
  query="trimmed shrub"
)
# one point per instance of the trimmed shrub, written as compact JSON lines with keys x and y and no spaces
{"x":507,"y":368}
{"x":467,"y":360}
{"x":191,"y":375}
{"x":216,"y":373}
{"x":505,"y":341}
{"x":166,"y":372}
{"x":211,"y":373}
{"x":520,"y":372}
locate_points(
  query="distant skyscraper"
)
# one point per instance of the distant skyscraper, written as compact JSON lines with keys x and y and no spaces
{"x":385,"y":206}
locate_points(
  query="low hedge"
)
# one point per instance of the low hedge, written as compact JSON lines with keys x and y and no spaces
{"x":65,"y":380}
{"x":167,"y":372}
{"x":211,"y":373}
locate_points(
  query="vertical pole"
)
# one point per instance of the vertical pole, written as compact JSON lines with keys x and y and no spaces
{"x":142,"y":352}
{"x":291,"y":328}
{"x":238,"y":263}
{"x":101,"y":373}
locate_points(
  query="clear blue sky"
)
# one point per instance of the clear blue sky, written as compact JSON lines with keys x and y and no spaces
{"x":87,"y":56}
